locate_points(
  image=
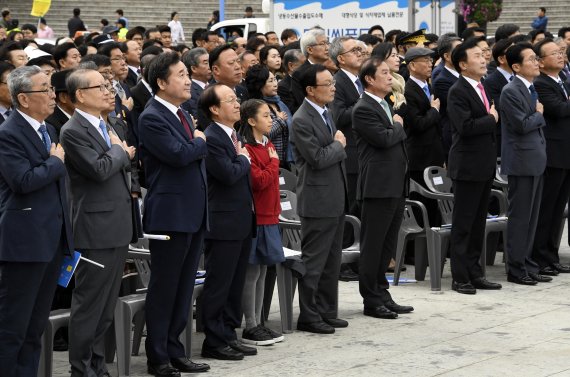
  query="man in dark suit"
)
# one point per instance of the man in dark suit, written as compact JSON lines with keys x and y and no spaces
{"x":421,"y":121}
{"x":97,"y":162}
{"x":123,"y":100}
{"x":197,"y":63}
{"x":472,"y":161}
{"x":133,"y":59}
{"x":496,"y":81}
{"x":347,"y":55}
{"x":5,"y":98}
{"x":232,"y":224}
{"x":322,"y":201}
{"x":75,"y":23}
{"x":382,"y":186}
{"x":35,"y":228}
{"x":64,"y":108}
{"x":553,"y":94}
{"x":523,"y":160}
{"x":292,"y":59}
{"x":441,"y":84}
{"x":173,"y":155}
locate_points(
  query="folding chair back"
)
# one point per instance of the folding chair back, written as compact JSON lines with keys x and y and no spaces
{"x":436,"y":179}
{"x":287,"y":180}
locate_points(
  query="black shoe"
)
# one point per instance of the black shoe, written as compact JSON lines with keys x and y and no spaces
{"x":562,"y":268}
{"x":336,"y":322}
{"x":221,"y":353}
{"x":236,"y":345}
{"x":185,"y":365}
{"x":539,"y":278}
{"x":400,"y":309}
{"x":380,"y":312}
{"x":162,"y":370}
{"x":523,"y":280}
{"x":548,"y":271}
{"x":482,"y":283}
{"x":463,"y":288}
{"x":319,"y":327}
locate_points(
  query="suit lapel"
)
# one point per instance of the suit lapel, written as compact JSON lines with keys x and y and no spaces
{"x":91,"y":130}
{"x":419,"y":91}
{"x":346,"y":81}
{"x":379,"y":109}
{"x":318,"y":119}
{"x":173,"y":120}
{"x":473,"y":93}
{"x":32,"y":135}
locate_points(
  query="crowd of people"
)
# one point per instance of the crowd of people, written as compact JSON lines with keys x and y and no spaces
{"x":93,"y":125}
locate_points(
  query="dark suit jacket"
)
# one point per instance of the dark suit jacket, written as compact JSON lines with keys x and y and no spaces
{"x":100,"y":187}
{"x":33,"y":199}
{"x":284,"y":91}
{"x":557,"y":116}
{"x":75,"y":24}
{"x":382,"y":156}
{"x":494,"y":84}
{"x":523,"y":146}
{"x":192,"y":104}
{"x":441,"y":86}
{"x":176,"y":199}
{"x":230,"y":198}
{"x":321,"y":182}
{"x":132,"y":78}
{"x":141,"y":96}
{"x":121,"y":129}
{"x":57,"y":119}
{"x":297,"y":94}
{"x":473,"y":153}
{"x":345,"y":98}
{"x":422,"y":125}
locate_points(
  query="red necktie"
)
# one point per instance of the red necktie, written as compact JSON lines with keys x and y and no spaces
{"x":235,"y":140}
{"x":184,"y":123}
{"x":484,"y":95}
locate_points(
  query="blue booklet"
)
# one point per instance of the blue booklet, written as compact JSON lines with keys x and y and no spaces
{"x":68,"y":267}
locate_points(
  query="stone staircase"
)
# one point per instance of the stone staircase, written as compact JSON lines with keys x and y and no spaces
{"x":193,"y":13}
{"x":522,"y":12}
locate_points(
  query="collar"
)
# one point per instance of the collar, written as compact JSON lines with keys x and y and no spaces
{"x":420,"y":83}
{"x":264,"y":140}
{"x":505,"y":73}
{"x":226,"y":129}
{"x":63,"y":111}
{"x":173,"y":109}
{"x":147,"y":86}
{"x":319,"y":109}
{"x":134,"y":69}
{"x":350,"y":75}
{"x":93,"y":120}
{"x":472,"y":82}
{"x":452,"y":71}
{"x":375,"y":97}
{"x":524,"y":81}
{"x":4,"y":109}
{"x":202,"y":84}
{"x":32,"y":122}
{"x":555,"y":78}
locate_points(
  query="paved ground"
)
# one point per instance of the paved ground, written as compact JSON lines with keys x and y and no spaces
{"x":521,"y":331}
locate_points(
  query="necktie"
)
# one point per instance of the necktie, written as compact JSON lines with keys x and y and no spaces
{"x":7,"y":113}
{"x":103,"y":128}
{"x":426,"y":91}
{"x":561,"y":85}
{"x":120,"y":91}
{"x":184,"y":123}
{"x":45,"y":137}
{"x":359,"y":86}
{"x":511,"y":78}
{"x":484,"y":95}
{"x":325,"y":115}
{"x":386,"y":108}
{"x":533,"y":94}
{"x":235,"y":140}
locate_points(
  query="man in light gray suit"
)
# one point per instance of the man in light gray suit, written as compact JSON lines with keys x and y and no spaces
{"x":523,"y":159}
{"x":97,"y":162}
{"x":321,"y":189}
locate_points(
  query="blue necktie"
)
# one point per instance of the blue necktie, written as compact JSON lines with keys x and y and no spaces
{"x":511,"y":78}
{"x":561,"y":84}
{"x":103,"y":129}
{"x":7,"y":113}
{"x":325,"y":115}
{"x":533,"y":94}
{"x":45,"y":137}
{"x":359,"y":85}
{"x":426,"y":91}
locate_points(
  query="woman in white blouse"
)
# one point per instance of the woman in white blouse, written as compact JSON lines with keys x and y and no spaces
{"x":176,"y":29}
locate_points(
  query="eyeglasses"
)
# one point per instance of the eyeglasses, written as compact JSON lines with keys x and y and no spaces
{"x":49,"y":90}
{"x":322,"y":44}
{"x":329,"y":84}
{"x":555,"y":53}
{"x":232,"y":100}
{"x":118,"y":58}
{"x":355,"y":51}
{"x":532,"y":59}
{"x":101,"y":87}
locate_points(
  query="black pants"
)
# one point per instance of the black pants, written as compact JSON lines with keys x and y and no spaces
{"x":381,"y":220}
{"x":468,"y":228}
{"x":26,"y":294}
{"x":169,"y":298}
{"x":226,"y":263}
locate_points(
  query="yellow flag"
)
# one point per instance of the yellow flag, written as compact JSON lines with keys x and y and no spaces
{"x":40,"y":8}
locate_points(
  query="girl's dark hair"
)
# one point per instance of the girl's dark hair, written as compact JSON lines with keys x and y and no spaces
{"x":249,"y":109}
{"x":255,"y":80}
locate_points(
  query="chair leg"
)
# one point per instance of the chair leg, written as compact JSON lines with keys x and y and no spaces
{"x":139,"y":321}
{"x":123,"y":318}
{"x":434,"y":258}
{"x":199,"y":324}
{"x":400,"y":253}
{"x":270,"y":279}
{"x":420,"y":258}
{"x":286,"y":292}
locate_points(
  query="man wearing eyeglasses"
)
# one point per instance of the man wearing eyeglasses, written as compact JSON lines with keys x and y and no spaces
{"x":123,"y":99}
{"x":553,"y":94}
{"x":35,"y":228}
{"x":97,"y":162}
{"x":322,"y":202}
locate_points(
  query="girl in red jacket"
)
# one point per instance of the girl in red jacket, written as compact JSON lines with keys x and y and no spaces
{"x":266,"y":247}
